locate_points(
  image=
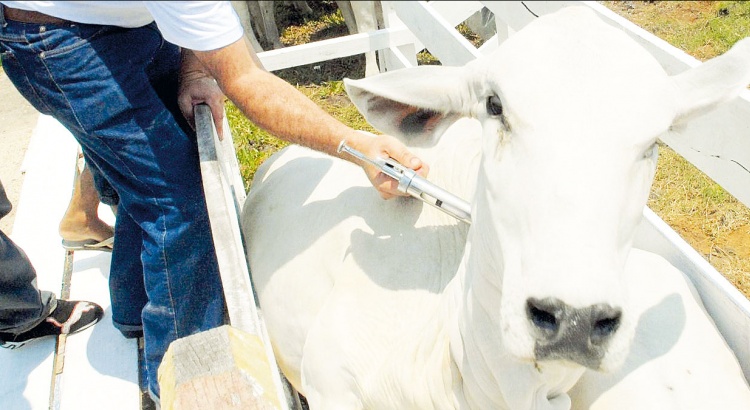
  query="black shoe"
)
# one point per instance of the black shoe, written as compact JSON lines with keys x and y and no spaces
{"x":70,"y":316}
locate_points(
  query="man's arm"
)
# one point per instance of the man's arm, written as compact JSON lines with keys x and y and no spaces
{"x":278,"y":107}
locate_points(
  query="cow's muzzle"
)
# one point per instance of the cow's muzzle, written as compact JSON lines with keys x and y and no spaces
{"x":579,"y":335}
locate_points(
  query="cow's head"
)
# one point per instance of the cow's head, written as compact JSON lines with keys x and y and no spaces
{"x":571,"y":109}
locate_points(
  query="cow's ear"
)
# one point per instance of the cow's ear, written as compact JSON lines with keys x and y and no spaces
{"x":414,"y":104}
{"x":704,"y":87}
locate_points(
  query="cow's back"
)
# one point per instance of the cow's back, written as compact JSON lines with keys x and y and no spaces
{"x":328,"y":255}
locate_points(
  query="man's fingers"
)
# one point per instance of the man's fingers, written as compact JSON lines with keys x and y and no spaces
{"x":186,"y":107}
{"x":401,"y":153}
{"x":218,"y":113}
{"x":387,"y":187}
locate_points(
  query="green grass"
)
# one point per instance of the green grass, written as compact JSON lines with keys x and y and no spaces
{"x":702,"y":29}
{"x":254,"y":145}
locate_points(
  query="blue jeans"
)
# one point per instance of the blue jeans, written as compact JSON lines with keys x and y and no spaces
{"x":107,"y":193}
{"x":115,"y":90}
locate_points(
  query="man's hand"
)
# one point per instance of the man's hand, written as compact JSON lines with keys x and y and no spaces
{"x":385,"y":146}
{"x":196,"y":87}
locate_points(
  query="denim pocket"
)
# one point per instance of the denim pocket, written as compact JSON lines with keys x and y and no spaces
{"x":61,"y":40}
{"x":10,"y":36}
{"x":14,"y":68}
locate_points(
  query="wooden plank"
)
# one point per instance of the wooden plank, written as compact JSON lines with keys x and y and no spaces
{"x":222,"y":368}
{"x":397,"y":60}
{"x":438,"y":36}
{"x":330,"y":49}
{"x":234,"y":273}
{"x":230,"y":166}
{"x":359,"y":43}
{"x":729,"y":308}
{"x":391,"y":20}
{"x":455,"y":12}
{"x":223,"y":212}
{"x":490,"y":45}
{"x":389,"y":60}
{"x":99,"y":353}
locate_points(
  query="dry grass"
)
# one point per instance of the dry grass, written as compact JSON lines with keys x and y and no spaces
{"x":705,"y":215}
{"x":709,"y":218}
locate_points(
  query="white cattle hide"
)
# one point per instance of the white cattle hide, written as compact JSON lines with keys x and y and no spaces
{"x":678,"y":360}
{"x":393,"y":305}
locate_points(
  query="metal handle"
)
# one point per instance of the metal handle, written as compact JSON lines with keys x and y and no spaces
{"x":409,"y":182}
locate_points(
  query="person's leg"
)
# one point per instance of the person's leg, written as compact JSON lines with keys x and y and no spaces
{"x":80,"y":226}
{"x":107,"y":193}
{"x":26,"y":313}
{"x":22,"y":304}
{"x":101,"y":92}
{"x":127,"y":290}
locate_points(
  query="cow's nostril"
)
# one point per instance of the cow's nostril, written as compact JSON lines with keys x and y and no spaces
{"x":606,"y":326}
{"x":542,"y":316}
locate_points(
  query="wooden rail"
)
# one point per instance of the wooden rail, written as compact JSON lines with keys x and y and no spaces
{"x":232,"y":366}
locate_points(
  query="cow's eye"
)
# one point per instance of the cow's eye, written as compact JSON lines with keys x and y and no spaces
{"x":494,"y":107}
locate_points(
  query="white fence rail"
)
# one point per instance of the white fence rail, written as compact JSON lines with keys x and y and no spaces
{"x":718,"y":143}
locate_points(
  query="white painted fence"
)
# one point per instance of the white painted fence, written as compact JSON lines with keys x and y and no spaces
{"x":717,"y":143}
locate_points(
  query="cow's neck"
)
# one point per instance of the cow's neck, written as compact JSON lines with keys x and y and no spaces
{"x":485,"y":374}
{"x":475,"y":384}
{"x":443,"y":360}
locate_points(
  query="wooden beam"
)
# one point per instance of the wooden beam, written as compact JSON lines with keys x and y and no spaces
{"x":221,"y":368}
{"x":225,"y":194}
{"x":334,"y":48}
{"x":222,"y":212}
{"x":441,"y":39}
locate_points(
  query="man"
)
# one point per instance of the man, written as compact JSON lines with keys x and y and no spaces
{"x":105,"y":71}
{"x":26,"y":313}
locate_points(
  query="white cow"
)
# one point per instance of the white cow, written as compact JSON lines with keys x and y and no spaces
{"x":393,"y":305}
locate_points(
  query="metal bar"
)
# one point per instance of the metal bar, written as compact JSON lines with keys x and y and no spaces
{"x":409,"y":182}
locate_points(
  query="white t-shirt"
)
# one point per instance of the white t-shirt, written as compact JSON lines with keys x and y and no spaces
{"x":197,"y":25}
